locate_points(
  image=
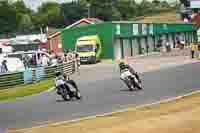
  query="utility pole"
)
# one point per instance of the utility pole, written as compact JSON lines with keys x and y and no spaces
{"x":176,"y":4}
{"x":88,"y":6}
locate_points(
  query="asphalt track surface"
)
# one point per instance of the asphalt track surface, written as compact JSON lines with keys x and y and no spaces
{"x":102,"y":92}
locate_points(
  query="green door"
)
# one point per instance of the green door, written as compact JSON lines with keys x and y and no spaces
{"x":150,"y":43}
{"x":143,"y":45}
{"x":171,"y":42}
{"x":135,"y":47}
{"x":127,"y":48}
{"x":117,"y":49}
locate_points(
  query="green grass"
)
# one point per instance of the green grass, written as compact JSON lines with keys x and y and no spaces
{"x":25,"y":90}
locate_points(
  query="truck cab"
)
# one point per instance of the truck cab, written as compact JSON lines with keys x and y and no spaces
{"x":89,"y":49}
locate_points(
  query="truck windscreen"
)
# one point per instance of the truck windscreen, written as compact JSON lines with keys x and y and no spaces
{"x":84,"y":48}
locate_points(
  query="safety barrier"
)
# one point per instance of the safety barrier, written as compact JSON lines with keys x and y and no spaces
{"x":36,"y":74}
{"x":11,"y":79}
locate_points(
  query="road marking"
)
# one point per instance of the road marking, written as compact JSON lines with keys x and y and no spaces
{"x":114,"y":112}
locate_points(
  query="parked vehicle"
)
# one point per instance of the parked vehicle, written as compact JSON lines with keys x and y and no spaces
{"x":130,"y":80}
{"x":66,"y":88}
{"x":22,"y":54}
{"x":89,"y":49}
{"x":5,"y":49}
{"x":13,"y":64}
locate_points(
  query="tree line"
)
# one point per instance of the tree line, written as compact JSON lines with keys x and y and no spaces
{"x":15,"y":17}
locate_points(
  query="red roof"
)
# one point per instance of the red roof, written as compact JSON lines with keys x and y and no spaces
{"x":94,"y":20}
{"x":4,"y":42}
{"x":51,"y":31}
{"x":2,"y":45}
{"x":86,"y":20}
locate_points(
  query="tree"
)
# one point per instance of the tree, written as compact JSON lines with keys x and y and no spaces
{"x":126,"y":8}
{"x":156,"y":3}
{"x":165,"y":4}
{"x":144,"y":8}
{"x":74,"y":11}
{"x":7,"y":18}
{"x":49,"y":13}
{"x":116,"y":14}
{"x":23,"y":17}
{"x":16,"y":17}
{"x":25,"y":24}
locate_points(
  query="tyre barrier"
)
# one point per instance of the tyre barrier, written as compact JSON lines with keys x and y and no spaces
{"x":33,"y":75}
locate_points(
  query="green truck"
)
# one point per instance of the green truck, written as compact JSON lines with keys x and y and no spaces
{"x":89,"y":49}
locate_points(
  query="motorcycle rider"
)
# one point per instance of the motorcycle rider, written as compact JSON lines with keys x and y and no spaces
{"x":123,"y":66}
{"x":60,"y":75}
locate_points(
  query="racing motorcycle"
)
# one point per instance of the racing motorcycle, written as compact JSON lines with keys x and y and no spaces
{"x":130,"y":80}
{"x":67,"y":89}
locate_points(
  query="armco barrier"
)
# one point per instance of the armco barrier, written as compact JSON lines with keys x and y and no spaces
{"x":39,"y":73}
{"x":28,"y":76}
{"x":11,"y":79}
{"x":50,"y":71}
{"x":36,"y":74}
{"x":69,"y":68}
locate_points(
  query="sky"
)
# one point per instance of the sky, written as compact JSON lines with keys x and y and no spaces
{"x":33,"y":4}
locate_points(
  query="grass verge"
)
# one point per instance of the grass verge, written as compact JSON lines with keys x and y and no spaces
{"x":178,"y":116}
{"x":25,"y":90}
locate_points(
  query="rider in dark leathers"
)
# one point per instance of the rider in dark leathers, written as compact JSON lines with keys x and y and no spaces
{"x":67,"y":79}
{"x":123,"y":66}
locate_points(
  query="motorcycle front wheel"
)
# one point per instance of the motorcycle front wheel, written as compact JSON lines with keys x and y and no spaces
{"x":139,"y":86}
{"x":65,"y":95}
{"x":78,"y":95}
{"x":129,"y":84}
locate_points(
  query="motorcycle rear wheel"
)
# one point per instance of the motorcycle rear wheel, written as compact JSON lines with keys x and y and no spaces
{"x":65,"y":96}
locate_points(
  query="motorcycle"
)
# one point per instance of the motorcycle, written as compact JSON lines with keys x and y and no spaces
{"x":130,"y":80}
{"x":67,"y":89}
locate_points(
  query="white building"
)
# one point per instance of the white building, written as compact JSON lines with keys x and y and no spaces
{"x":28,"y":39}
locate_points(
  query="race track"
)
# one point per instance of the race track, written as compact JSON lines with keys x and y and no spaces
{"x":102,"y":92}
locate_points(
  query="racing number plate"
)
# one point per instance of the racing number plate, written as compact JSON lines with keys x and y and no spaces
{"x":125,"y":74}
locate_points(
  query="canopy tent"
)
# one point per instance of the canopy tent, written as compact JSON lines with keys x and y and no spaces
{"x":4,"y":42}
{"x":2,"y":45}
{"x":5,"y":49}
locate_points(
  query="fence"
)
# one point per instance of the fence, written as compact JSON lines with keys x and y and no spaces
{"x":36,"y":74}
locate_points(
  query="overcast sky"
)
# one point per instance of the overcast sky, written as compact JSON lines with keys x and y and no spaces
{"x":33,"y":4}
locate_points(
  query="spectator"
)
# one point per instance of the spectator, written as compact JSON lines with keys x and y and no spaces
{"x":186,"y":20}
{"x":66,"y":54}
{"x":4,"y":67}
{"x":159,"y":43}
{"x":26,"y":62}
{"x":72,"y":54}
{"x":69,"y":55}
{"x":54,"y":61}
{"x":45,"y":60}
{"x":33,"y":60}
{"x":60,"y":58}
{"x":178,"y":40}
{"x":167,"y":47}
{"x":52,"y":55}
{"x":193,"y":49}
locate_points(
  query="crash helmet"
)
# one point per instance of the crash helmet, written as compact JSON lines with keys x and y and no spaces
{"x":58,"y":73}
{"x":121,"y":65}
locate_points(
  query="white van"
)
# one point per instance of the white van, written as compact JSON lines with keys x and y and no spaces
{"x":15,"y":60}
{"x":14,"y":64}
